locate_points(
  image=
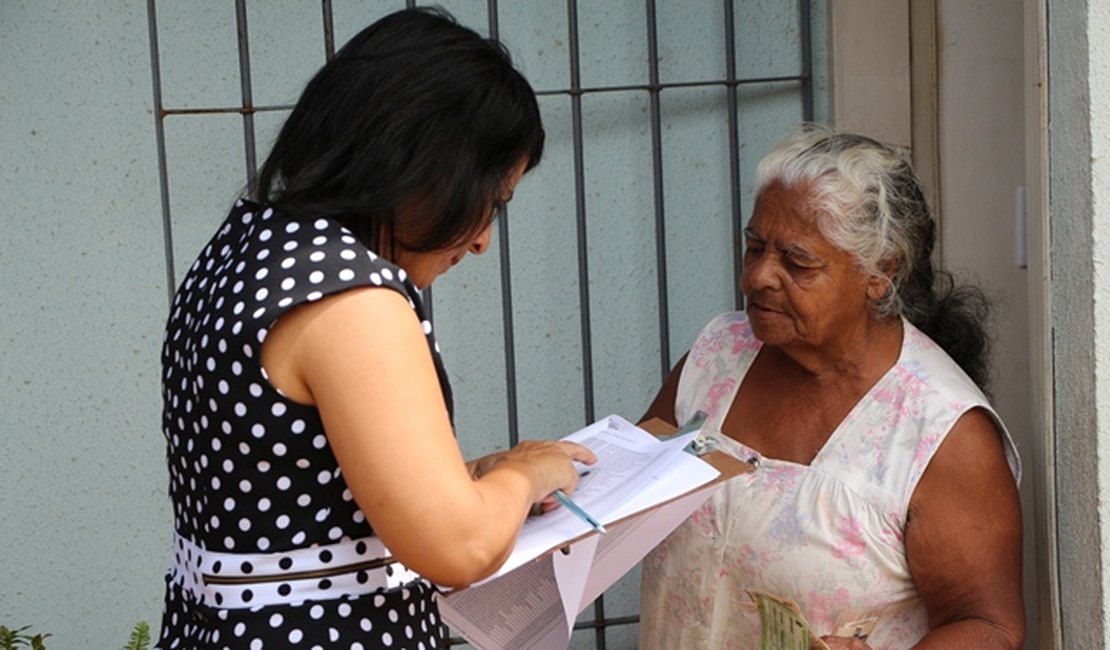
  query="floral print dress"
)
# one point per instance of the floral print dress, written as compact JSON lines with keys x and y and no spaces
{"x":828,"y":535}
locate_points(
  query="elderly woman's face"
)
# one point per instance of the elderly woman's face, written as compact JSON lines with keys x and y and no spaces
{"x":801,"y":290}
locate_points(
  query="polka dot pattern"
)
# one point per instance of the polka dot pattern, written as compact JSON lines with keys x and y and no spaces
{"x":251,"y":471}
{"x":346,"y":623}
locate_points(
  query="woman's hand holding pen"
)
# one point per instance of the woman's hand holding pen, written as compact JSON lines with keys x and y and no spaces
{"x":549,"y":464}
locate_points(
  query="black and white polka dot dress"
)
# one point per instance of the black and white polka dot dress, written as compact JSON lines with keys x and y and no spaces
{"x":270,"y":549}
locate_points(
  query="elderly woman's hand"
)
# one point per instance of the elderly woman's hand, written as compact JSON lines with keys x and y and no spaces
{"x":845,"y":643}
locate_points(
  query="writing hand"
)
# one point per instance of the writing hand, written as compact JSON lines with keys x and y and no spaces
{"x":549,"y":464}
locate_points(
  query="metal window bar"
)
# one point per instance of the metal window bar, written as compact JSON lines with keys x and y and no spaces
{"x":657,"y":184}
{"x":160,"y":143}
{"x":249,"y":147}
{"x":506,"y":288}
{"x":575,"y":92}
{"x":733,"y":111}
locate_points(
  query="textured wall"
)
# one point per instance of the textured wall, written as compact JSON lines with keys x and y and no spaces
{"x":82,"y":288}
{"x":1098,"y":81}
{"x":1079,"y":217}
{"x":84,"y":524}
{"x":981,"y":121}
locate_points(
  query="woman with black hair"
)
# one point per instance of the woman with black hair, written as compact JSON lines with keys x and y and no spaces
{"x":883,"y":503}
{"x":318,"y":490}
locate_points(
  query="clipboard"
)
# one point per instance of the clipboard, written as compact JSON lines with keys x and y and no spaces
{"x":536,"y":604}
{"x":728,"y":466}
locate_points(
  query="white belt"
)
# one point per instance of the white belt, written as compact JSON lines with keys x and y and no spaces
{"x":242,"y":580}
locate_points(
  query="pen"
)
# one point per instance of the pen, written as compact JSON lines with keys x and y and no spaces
{"x":569,"y":504}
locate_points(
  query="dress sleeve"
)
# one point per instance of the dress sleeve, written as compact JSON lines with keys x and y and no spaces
{"x":714,"y":367}
{"x":320,"y":258}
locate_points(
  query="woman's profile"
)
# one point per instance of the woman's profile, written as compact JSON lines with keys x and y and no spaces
{"x":317,"y":487}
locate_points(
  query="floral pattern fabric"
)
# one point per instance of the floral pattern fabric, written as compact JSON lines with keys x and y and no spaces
{"x":828,"y":535}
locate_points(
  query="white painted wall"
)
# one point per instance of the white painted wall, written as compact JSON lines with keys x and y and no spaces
{"x":84,"y":521}
{"x":1098,"y":80}
{"x":981,"y":151}
{"x":870,"y":67}
{"x":1079,"y":218}
{"x":975,"y":74}
{"x":82,"y":301}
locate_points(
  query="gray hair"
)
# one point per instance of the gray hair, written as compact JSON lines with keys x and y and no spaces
{"x":867,"y":200}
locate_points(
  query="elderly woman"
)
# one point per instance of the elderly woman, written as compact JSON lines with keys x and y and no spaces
{"x":883,"y":500}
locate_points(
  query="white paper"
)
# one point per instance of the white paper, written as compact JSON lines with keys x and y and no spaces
{"x":492,"y":617}
{"x":532,"y":602}
{"x":572,"y":570}
{"x":625,"y":479}
{"x":617,"y":554}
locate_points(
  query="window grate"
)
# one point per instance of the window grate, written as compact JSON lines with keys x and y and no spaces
{"x":731,"y":82}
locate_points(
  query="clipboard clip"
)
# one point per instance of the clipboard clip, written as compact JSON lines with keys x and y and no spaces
{"x":693,"y":424}
{"x":702,"y":444}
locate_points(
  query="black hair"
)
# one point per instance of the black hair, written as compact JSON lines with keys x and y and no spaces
{"x":952,"y":314}
{"x":417,"y":112}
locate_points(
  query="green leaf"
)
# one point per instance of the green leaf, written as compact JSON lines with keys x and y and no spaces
{"x":12,"y":639}
{"x":140,"y":637}
{"x":7,"y":638}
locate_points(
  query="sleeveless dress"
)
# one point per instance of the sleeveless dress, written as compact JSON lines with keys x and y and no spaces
{"x":828,"y":535}
{"x":270,"y":549}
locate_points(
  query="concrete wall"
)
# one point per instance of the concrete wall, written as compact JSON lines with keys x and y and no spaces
{"x":1079,"y":204}
{"x":948,"y":83}
{"x":84,"y":272}
{"x":870,"y":68}
{"x":83,"y":520}
{"x":981,"y":155}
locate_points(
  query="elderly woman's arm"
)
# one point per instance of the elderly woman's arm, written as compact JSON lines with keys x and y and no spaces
{"x":963,"y":542}
{"x":662,"y":406}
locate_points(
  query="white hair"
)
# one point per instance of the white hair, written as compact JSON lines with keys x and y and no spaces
{"x":866,"y":200}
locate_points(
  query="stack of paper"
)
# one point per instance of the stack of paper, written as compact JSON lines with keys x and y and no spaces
{"x":640,"y":489}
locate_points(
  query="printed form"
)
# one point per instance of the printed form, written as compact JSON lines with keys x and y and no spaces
{"x":640,"y":489}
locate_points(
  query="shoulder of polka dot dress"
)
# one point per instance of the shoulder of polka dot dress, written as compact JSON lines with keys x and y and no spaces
{"x":289,"y":262}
